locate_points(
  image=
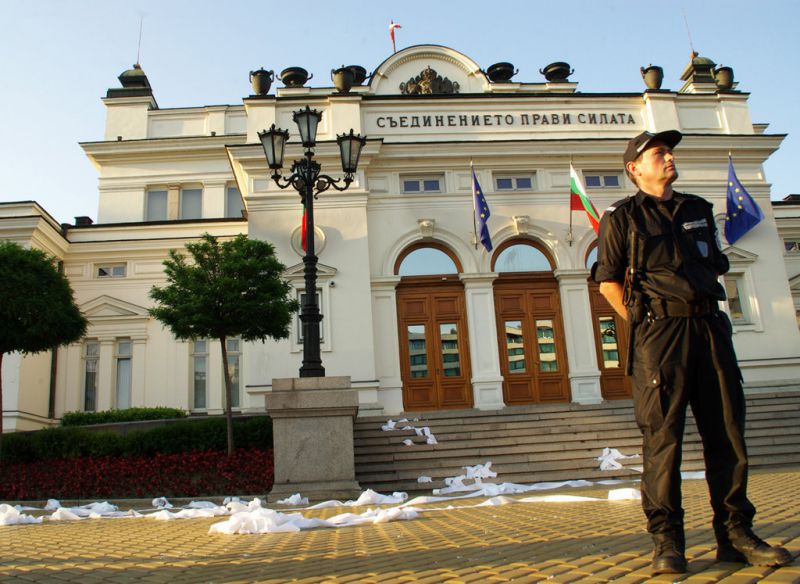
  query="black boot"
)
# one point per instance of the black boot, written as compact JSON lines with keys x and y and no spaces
{"x":725,"y":550}
{"x":668,"y":555}
{"x":755,"y":550}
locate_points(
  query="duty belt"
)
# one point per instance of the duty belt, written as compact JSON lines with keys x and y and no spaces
{"x":666,"y":308}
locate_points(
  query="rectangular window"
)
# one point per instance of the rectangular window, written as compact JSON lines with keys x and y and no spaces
{"x":91,"y":359}
{"x":791,"y":246}
{"x":431,"y":184}
{"x":514,"y":182}
{"x":156,"y":206}
{"x":302,"y":298}
{"x":111,"y":270}
{"x":736,"y":305}
{"x":233,"y":202}
{"x":124,"y":354}
{"x":200,"y":374}
{"x":191,"y":204}
{"x":234,"y":347}
{"x":602,"y":180}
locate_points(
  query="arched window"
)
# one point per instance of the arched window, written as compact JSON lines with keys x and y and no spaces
{"x":591,"y":256}
{"x":426,"y":260}
{"x":522,"y":257}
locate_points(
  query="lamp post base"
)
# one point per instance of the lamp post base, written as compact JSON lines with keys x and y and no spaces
{"x":312,"y":428}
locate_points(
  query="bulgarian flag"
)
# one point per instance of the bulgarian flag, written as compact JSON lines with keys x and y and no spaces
{"x":393,"y":26}
{"x":579,"y":200}
{"x":303,"y":230}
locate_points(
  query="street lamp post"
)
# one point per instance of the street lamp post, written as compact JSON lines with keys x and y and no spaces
{"x":307,"y":180}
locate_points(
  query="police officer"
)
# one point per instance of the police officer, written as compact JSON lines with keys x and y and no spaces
{"x":658,"y":266}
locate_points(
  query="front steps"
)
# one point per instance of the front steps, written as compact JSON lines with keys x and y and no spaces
{"x":554,"y":442}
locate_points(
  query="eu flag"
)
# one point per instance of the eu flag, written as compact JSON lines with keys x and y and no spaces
{"x":481,"y":213}
{"x":743,"y":212}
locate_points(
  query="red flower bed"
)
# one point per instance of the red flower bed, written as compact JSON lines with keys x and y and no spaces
{"x":186,"y":474}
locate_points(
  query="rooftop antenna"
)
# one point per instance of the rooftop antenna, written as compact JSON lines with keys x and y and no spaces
{"x":688,"y":33}
{"x":139,"y":47}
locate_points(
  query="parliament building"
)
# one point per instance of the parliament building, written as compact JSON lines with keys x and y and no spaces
{"x":415,"y":310}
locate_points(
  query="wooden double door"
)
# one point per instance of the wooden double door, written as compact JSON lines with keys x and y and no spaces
{"x":434,"y":352}
{"x":530,"y":333}
{"x":611,"y":342}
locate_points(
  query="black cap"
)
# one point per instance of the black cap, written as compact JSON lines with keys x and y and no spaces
{"x":639,"y":144}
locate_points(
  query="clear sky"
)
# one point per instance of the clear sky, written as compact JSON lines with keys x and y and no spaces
{"x":58,"y":57}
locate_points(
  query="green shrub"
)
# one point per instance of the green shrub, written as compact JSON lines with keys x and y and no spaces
{"x":181,"y":436}
{"x":127,"y":415}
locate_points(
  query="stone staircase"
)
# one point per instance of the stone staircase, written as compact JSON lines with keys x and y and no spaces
{"x":530,"y":444}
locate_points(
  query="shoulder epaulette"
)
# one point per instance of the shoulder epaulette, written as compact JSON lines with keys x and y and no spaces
{"x":618,"y":204}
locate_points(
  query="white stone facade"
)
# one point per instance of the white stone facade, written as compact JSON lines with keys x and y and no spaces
{"x":507,"y":130}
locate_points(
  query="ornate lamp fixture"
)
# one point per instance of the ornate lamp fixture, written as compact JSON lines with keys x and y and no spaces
{"x":306,"y":179}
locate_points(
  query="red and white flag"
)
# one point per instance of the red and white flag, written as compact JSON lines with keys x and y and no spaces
{"x":393,"y":26}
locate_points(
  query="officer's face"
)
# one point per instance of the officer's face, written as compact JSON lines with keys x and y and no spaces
{"x":656,"y":165}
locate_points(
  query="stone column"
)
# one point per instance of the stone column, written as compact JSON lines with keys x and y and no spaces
{"x":487,"y":381}
{"x":387,"y":343}
{"x":584,"y":376}
{"x":312,"y":432}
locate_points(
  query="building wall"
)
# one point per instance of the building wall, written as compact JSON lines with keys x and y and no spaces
{"x":534,"y":129}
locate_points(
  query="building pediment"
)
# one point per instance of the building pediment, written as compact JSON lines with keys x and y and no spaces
{"x":794,"y":283}
{"x":297,"y":272}
{"x":737,"y":255}
{"x":109,"y":308}
{"x":428,"y":70}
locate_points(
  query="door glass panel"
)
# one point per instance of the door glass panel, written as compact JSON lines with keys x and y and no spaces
{"x":608,"y":342}
{"x":417,"y":351}
{"x":451,"y":361}
{"x":546,"y":340}
{"x":515,"y":345}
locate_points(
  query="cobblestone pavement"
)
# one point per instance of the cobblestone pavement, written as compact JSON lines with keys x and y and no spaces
{"x":593,"y":541}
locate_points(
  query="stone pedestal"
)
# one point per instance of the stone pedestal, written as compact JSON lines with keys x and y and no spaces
{"x":312,"y":426}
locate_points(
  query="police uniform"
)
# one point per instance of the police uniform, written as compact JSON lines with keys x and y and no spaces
{"x":681,"y":352}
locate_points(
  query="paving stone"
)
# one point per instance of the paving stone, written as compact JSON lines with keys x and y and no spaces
{"x":595,"y":541}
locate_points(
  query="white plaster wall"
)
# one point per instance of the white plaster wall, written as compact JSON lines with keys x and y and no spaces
{"x":343,"y":220}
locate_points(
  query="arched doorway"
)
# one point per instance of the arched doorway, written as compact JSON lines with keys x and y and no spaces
{"x":533,"y":357}
{"x":432,"y":324}
{"x":610,"y":340}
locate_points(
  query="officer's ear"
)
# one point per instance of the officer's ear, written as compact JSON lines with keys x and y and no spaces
{"x":630,"y":168}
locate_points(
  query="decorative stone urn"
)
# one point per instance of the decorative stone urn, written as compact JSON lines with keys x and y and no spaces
{"x":359,"y":74}
{"x":295,"y":76}
{"x":261,"y":81}
{"x":501,"y":72}
{"x":653,"y":76}
{"x":343,"y":79}
{"x":557,"y":72}
{"x":724,"y":77}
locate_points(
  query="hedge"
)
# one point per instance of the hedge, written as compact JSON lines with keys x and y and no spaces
{"x":127,"y":415}
{"x":186,"y":474}
{"x":183,"y":436}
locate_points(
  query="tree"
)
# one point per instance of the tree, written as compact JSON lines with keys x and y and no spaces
{"x":229,"y":289}
{"x":37,"y":311}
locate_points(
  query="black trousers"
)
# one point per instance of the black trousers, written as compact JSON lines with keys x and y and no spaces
{"x":690,"y":361}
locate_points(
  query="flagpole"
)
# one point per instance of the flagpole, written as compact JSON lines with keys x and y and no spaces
{"x":569,"y":233}
{"x":474,"y":209}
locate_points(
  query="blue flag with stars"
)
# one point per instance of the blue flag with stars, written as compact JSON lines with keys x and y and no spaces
{"x":743,"y":212}
{"x":482,"y":214}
